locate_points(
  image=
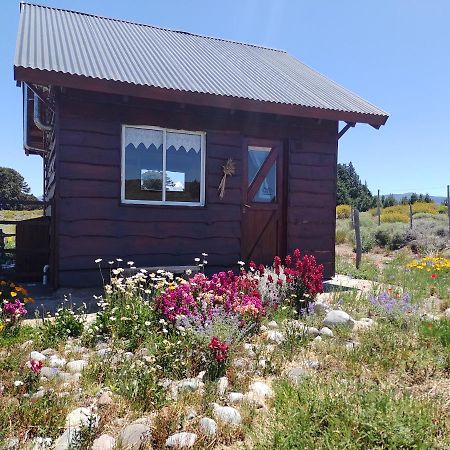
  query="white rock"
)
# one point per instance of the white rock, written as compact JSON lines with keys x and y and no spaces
{"x":311,"y":364}
{"x":337,"y":317}
{"x":208,"y":427}
{"x":104,"y":442}
{"x":222,"y":386}
{"x":56,"y":361}
{"x":76,"y":366}
{"x":325,"y":331}
{"x":227,"y":414}
{"x":297,"y":374}
{"x":447,"y":312}
{"x":49,"y":372}
{"x":128,"y":355}
{"x":235,"y":397}
{"x":275,"y":336}
{"x":105,"y":399}
{"x":261,"y":390}
{"x":181,"y":440}
{"x":37,"y":356}
{"x":312,"y":331}
{"x":66,"y":439}
{"x":321,"y":308}
{"x":262,"y":363}
{"x":134,"y":436}
{"x":317,"y":339}
{"x":39,"y":394}
{"x":273,"y":325}
{"x":81,"y":417}
{"x":103,"y":352}
{"x":351,"y":345}
{"x":190,"y":384}
{"x":262,"y":328}
{"x":363,"y":324}
{"x":48,"y":352}
{"x":26,"y":344}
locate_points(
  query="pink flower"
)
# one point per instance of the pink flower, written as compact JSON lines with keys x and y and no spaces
{"x":35,"y":365}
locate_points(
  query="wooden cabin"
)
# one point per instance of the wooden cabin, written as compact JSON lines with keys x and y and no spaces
{"x":136,"y":123}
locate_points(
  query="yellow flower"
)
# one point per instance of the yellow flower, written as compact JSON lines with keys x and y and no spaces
{"x":2,"y":327}
{"x":13,"y":294}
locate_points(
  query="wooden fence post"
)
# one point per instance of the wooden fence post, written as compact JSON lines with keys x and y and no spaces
{"x":448,"y":208}
{"x":378,"y":208}
{"x":357,"y":237}
{"x":410,"y":216}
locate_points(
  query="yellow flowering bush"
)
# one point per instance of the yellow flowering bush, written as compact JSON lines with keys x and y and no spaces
{"x":430,"y":263}
{"x":343,"y":211}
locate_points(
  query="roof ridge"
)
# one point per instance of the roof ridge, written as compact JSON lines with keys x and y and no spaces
{"x":153,"y":26}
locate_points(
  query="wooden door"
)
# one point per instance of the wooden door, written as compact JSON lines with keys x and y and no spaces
{"x":263,"y":225}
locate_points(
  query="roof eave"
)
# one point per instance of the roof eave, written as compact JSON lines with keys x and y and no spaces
{"x":81,"y":82}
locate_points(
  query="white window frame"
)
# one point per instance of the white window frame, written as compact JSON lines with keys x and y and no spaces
{"x":202,"y":134}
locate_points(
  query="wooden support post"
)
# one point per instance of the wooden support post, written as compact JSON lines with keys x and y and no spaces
{"x":410,"y":216}
{"x":378,"y":208}
{"x":357,"y":237}
{"x":448,"y":208}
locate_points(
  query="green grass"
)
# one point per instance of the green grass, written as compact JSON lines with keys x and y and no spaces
{"x":16,"y":216}
{"x":367,"y":270}
{"x":438,"y":330}
{"x":343,"y":414}
{"x":16,"y":337}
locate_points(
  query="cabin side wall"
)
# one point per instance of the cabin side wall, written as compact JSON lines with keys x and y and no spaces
{"x":92,"y":223}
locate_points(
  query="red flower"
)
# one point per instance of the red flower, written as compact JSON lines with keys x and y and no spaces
{"x":219,"y":349}
{"x":35,"y":366}
{"x":433,"y":275}
{"x":277,"y":261}
{"x":288,"y":260}
{"x":252,"y":265}
{"x":261,"y":268}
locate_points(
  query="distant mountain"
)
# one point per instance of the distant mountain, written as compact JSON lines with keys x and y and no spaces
{"x":435,"y":198}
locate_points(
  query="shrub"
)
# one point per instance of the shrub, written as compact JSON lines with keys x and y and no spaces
{"x":200,"y":295}
{"x":304,"y":278}
{"x":341,"y":235}
{"x":442,"y":209}
{"x":66,"y":323}
{"x":422,"y":207}
{"x":12,"y":306}
{"x":368,"y":241}
{"x":394,"y":217}
{"x":393,"y":236}
{"x":427,"y":236}
{"x":343,"y":211}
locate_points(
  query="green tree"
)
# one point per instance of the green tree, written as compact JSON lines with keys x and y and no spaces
{"x":350,"y":189}
{"x":13,"y":187}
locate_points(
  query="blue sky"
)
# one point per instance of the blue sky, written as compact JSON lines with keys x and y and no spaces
{"x":394,"y":53}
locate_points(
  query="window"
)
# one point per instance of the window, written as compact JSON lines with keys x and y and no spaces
{"x":161,"y":166}
{"x":268,"y":190}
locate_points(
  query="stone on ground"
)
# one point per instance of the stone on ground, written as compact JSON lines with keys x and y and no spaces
{"x":208,"y":427}
{"x":134,"y":436}
{"x":104,"y":442}
{"x":181,"y":440}
{"x":105,"y":400}
{"x":227,"y":414}
{"x":261,"y":390}
{"x":235,"y":397}
{"x":277,"y":337}
{"x":81,"y":417}
{"x":37,"y":356}
{"x":337,"y":317}
{"x":297,"y":374}
{"x":222,"y":386}
{"x":325,"y":331}
{"x":76,"y":366}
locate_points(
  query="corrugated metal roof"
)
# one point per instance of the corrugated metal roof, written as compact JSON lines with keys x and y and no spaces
{"x":102,"y":48}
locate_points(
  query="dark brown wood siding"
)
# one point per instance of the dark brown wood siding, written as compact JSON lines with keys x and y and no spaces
{"x":92,"y":223}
